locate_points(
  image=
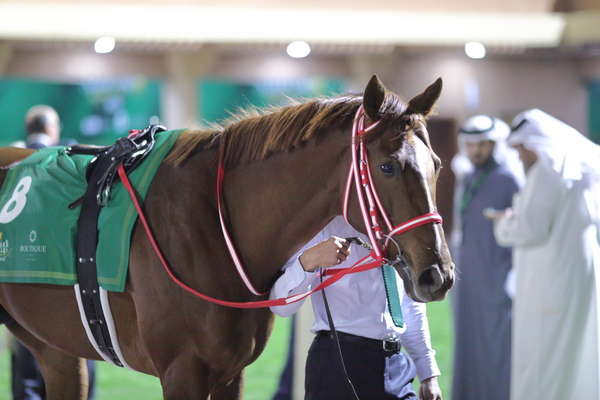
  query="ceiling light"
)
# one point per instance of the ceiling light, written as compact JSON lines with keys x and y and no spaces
{"x":298,"y":49}
{"x":104,"y":45}
{"x":475,"y":50}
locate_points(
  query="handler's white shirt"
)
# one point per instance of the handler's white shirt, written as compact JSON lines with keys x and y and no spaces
{"x":358,"y":302}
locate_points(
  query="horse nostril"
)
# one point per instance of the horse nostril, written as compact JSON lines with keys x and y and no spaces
{"x":431,"y":279}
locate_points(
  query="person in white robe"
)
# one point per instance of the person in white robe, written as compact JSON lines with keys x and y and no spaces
{"x":554,"y":228}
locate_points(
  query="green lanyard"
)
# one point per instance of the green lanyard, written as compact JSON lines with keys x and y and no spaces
{"x":472,"y":189}
{"x":393,"y":297}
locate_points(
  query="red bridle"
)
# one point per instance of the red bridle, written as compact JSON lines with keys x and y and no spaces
{"x":371,"y":210}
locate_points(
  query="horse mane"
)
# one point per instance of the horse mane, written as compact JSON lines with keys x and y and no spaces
{"x":253,"y":135}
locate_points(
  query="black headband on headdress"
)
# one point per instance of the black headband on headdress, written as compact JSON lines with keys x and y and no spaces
{"x":479,"y":131}
{"x":520,"y":124}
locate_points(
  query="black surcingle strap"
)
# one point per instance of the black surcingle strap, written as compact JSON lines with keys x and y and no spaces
{"x":101,"y":174}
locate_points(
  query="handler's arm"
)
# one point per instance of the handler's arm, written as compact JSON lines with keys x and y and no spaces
{"x":417,"y":342}
{"x":300,"y":271}
{"x":534,"y":209}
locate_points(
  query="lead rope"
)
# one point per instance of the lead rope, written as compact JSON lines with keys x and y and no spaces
{"x":332,"y":329}
{"x":336,"y":340}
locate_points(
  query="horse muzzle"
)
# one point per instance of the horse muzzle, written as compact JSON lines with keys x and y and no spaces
{"x":432,"y":283}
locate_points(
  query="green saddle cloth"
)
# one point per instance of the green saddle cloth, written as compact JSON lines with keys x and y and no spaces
{"x":38,"y":231}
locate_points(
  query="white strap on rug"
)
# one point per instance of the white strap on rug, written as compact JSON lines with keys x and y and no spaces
{"x":109,"y":322}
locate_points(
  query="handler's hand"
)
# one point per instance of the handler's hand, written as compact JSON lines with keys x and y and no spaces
{"x":430,"y":390}
{"x":328,"y":253}
{"x":496,"y":215}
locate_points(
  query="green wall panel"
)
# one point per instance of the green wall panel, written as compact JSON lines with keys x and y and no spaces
{"x":95,"y":112}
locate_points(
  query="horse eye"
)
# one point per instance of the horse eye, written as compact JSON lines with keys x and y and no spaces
{"x":387,"y":169}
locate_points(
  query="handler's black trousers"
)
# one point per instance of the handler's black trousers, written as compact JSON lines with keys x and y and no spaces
{"x":375,"y":373}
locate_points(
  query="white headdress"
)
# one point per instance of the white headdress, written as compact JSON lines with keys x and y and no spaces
{"x":477,"y":129}
{"x":480,"y":128}
{"x":564,"y":149}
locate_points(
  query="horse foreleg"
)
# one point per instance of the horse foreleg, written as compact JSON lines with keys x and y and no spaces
{"x":186,"y":378}
{"x":233,"y":390}
{"x":65,"y":376}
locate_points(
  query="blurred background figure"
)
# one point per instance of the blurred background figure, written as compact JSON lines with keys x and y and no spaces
{"x":554,"y":226}
{"x":488,"y":176}
{"x":42,"y":126}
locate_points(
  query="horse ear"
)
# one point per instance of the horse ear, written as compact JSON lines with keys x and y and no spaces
{"x":373,"y":98}
{"x":423,"y":103}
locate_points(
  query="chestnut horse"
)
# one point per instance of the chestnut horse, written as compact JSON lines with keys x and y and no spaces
{"x":286,"y":172}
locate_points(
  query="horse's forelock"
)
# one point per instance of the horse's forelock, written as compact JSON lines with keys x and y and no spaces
{"x":393,"y":116}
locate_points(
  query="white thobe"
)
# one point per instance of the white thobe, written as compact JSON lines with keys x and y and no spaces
{"x":555,"y":354}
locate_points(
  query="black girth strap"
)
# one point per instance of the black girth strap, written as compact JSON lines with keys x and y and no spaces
{"x":101,"y":174}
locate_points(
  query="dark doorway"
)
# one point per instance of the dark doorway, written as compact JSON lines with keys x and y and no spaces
{"x":442,"y":133}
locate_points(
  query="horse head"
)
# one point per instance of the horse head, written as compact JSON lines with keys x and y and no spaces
{"x":404,"y":171}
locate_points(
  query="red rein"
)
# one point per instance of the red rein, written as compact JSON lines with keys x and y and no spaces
{"x":251,"y":304}
{"x":371,"y":210}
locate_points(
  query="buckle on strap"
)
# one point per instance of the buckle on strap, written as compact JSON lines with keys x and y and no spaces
{"x":102,"y":169}
{"x":391,"y":345}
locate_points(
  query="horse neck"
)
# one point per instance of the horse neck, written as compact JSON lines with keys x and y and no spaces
{"x":276,"y":206}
